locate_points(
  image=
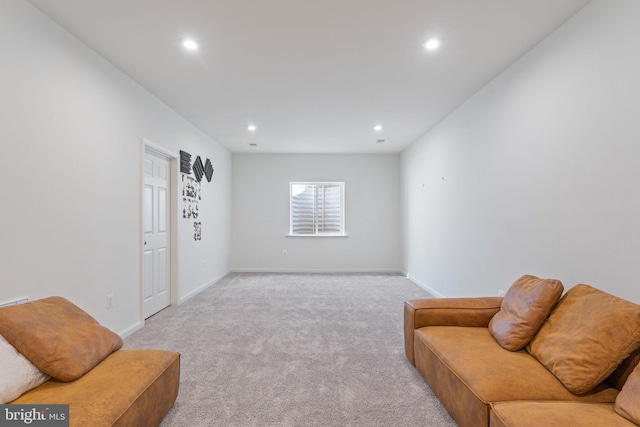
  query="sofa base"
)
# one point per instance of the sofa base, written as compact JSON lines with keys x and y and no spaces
{"x":556,"y":414}
{"x":467,"y":370}
{"x":128,"y":388}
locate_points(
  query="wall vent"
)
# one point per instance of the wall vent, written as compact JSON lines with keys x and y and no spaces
{"x":14,"y":302}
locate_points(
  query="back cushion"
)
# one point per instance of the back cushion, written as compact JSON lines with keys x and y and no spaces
{"x":58,"y":337}
{"x":17,"y":374}
{"x":618,"y":377}
{"x":628,"y":400}
{"x":586,"y":337}
{"x":524,"y":308}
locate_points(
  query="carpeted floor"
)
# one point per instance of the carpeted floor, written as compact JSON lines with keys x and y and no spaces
{"x":294,"y":350}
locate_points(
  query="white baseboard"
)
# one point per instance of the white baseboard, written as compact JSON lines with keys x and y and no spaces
{"x":425,"y":287}
{"x":202,"y":288}
{"x":326,"y":271}
{"x":131,"y":329}
{"x":140,"y":324}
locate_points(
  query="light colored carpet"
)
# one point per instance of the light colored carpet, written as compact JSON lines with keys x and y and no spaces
{"x":295,"y":350}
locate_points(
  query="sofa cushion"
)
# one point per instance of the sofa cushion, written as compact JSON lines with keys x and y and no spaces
{"x":58,"y":337}
{"x":128,"y":388}
{"x":17,"y":374}
{"x":524,"y":309}
{"x":586,"y":337}
{"x":628,"y":401}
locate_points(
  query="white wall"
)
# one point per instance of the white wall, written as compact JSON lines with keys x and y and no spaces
{"x":261,"y":213}
{"x":539,"y":172}
{"x":71,"y":126}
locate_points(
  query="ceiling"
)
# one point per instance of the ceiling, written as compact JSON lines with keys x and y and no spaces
{"x":314,"y":76}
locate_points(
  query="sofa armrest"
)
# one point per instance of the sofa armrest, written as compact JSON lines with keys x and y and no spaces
{"x":446,"y":312}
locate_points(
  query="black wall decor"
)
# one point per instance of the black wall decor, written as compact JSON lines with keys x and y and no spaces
{"x":191,"y":188}
{"x":185,"y":162}
{"x":198,"y":169}
{"x":208,"y":170}
{"x":191,"y":196}
{"x":197,"y":231}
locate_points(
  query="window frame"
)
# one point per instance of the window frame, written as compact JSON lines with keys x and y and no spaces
{"x":341,"y":233}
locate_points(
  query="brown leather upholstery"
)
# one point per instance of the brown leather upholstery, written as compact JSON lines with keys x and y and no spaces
{"x":555,"y":414}
{"x":628,"y":401}
{"x":61,"y":339}
{"x":524,"y":309}
{"x":619,"y":377}
{"x":128,"y":388}
{"x":468,"y":370}
{"x":446,"y":312}
{"x":570,"y":343}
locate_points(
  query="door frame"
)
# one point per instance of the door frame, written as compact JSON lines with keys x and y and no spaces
{"x":152,"y":148}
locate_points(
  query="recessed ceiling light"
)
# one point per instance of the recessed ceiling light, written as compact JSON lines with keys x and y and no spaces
{"x":432,"y":44}
{"x":251,"y":128}
{"x":190,"y":44}
{"x":377,"y":128}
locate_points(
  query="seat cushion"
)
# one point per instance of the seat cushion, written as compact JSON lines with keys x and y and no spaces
{"x":524,"y":309}
{"x":468,"y":370}
{"x":128,"y":388}
{"x":555,"y":414}
{"x":586,"y":337}
{"x":61,"y":339}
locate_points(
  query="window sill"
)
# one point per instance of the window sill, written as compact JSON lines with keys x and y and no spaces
{"x":317,"y":235}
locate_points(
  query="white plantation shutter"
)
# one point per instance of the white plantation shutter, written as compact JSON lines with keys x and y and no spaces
{"x":329,"y":218}
{"x":317,"y":208}
{"x":303,"y":209}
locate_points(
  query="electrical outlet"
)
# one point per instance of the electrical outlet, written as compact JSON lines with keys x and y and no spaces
{"x":109,"y":301}
{"x":500,"y":292}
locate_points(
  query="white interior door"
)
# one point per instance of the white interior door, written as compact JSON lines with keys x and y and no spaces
{"x":156,"y":289}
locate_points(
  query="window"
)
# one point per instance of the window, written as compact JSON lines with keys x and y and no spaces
{"x":316,"y":209}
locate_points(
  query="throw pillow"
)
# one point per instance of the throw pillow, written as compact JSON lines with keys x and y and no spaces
{"x":628,"y":400}
{"x":586,"y":337}
{"x":58,"y":337}
{"x":17,"y":374}
{"x":524,"y":309}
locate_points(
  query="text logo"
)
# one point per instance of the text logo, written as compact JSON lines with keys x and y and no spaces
{"x":34,"y":415}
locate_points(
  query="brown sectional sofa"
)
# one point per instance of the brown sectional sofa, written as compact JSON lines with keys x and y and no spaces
{"x":565,"y":362}
{"x":102,"y":384}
